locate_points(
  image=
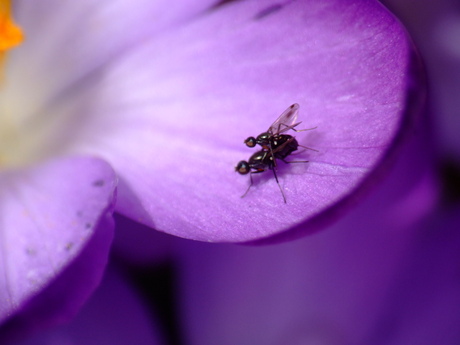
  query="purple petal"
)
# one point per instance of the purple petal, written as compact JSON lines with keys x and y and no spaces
{"x":72,"y":44}
{"x":172,"y":115}
{"x":99,"y":322}
{"x":56,"y":232}
{"x":76,"y":39}
{"x":370,"y":279}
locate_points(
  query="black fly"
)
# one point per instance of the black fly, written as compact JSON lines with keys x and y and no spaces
{"x":275,"y":145}
{"x":274,"y":137}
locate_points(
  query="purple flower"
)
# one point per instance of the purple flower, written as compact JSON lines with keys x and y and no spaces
{"x":165,"y":97}
{"x":173,"y":129}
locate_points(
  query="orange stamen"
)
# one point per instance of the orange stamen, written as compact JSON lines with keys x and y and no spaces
{"x":10,"y":34}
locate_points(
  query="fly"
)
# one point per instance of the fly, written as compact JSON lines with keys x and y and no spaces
{"x":275,"y":145}
{"x":274,"y":138}
{"x":259,"y":162}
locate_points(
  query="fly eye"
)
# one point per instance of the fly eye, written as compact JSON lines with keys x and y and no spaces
{"x":242,"y":167}
{"x":250,"y":142}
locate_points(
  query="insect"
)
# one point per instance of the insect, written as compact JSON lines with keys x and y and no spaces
{"x":273,"y":137}
{"x":261,"y":161}
{"x":275,"y":145}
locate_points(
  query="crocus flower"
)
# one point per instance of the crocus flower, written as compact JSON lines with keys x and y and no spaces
{"x":160,"y":112}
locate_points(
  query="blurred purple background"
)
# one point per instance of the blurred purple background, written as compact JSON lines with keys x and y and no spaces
{"x":435,"y":29}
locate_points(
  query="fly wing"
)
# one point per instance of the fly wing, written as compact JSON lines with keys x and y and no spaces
{"x":285,"y":121}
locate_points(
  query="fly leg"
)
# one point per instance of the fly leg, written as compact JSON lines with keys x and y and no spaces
{"x":296,"y":130}
{"x":307,"y":148}
{"x":302,"y":130}
{"x":293,"y":127}
{"x":250,"y":178}
{"x":285,"y":161}
{"x":277,"y":182}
